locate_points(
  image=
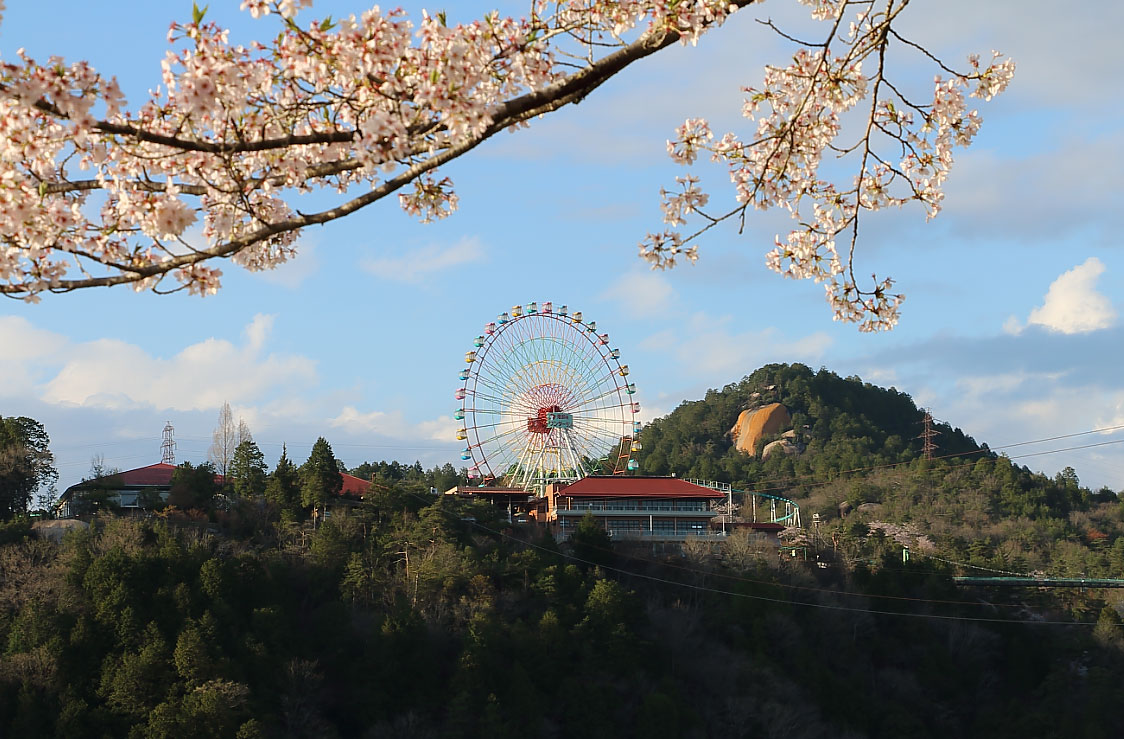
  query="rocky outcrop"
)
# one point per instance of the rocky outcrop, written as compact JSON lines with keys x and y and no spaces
{"x":754,"y":425}
{"x":55,"y":530}
{"x":780,"y":446}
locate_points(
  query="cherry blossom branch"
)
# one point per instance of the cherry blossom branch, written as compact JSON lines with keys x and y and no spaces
{"x":804,"y":104}
{"x":373,"y":100}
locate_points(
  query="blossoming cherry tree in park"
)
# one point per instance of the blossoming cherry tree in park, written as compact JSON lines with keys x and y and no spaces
{"x":94,"y":192}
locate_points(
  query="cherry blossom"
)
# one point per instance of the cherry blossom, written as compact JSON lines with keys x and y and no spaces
{"x":93,"y":192}
{"x":903,"y":155}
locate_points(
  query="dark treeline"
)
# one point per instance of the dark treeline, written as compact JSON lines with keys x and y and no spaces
{"x":441,"y":477}
{"x":414,"y":617}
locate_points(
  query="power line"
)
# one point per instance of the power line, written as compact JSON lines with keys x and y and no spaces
{"x":762,"y":598}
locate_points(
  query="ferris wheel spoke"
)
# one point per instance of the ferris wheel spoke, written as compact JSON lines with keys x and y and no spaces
{"x":609,"y":377}
{"x":497,"y":437}
{"x":606,"y":395}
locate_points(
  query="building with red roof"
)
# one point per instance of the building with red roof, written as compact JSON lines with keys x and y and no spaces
{"x":633,"y":507}
{"x":137,"y":489}
{"x":147,"y":487}
{"x":354,"y":487}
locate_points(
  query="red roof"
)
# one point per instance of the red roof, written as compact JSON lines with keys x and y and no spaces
{"x":354,"y":486}
{"x":637,"y":487}
{"x":154,"y":474}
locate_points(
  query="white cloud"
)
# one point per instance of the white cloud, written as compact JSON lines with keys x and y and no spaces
{"x":980,"y":386}
{"x":393,"y":424}
{"x":1073,"y":305}
{"x":113,"y":374}
{"x":439,"y":429}
{"x":641,"y":294}
{"x":417,"y":264}
{"x":23,"y":350}
{"x":712,"y":350}
{"x":21,"y":341}
{"x":379,"y":422}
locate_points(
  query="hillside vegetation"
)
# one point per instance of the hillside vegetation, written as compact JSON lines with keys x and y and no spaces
{"x":419,"y":616}
{"x":862,"y":452}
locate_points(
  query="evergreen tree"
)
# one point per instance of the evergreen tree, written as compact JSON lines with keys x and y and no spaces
{"x":283,"y":487}
{"x":247,"y":470}
{"x":320,"y":476}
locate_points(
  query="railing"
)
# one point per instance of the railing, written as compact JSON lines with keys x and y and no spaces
{"x":790,"y":517}
{"x":636,"y":510}
{"x":722,"y":487}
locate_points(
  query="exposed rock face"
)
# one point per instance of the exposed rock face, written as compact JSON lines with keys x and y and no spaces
{"x":755,"y":424}
{"x":56,"y":530}
{"x":779,"y":446}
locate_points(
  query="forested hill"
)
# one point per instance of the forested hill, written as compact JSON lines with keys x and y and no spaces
{"x":838,"y":423}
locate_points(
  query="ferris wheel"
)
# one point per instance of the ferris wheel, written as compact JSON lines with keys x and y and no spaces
{"x":545,"y":399}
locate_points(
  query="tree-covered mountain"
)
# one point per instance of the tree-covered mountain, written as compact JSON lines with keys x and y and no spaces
{"x":842,"y":423}
{"x":861,"y":451}
{"x":420,"y":617}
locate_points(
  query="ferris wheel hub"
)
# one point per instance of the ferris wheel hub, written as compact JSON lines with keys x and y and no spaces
{"x":549,"y":417}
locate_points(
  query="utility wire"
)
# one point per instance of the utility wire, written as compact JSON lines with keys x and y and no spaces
{"x":762,"y":598}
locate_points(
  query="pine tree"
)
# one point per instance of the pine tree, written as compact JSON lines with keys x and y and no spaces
{"x":247,"y":470}
{"x":320,"y":476}
{"x":283,"y":487}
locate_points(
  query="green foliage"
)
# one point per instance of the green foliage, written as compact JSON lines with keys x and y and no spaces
{"x":385,"y":474}
{"x":17,"y":529}
{"x":320,"y":476}
{"x":26,"y":464}
{"x":248,"y":470}
{"x":193,"y":487}
{"x":414,"y":616}
{"x":591,"y":542}
{"x":840,"y":423}
{"x":283,"y":487}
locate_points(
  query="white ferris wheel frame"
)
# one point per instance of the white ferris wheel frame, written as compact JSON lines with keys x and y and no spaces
{"x":545,"y":399}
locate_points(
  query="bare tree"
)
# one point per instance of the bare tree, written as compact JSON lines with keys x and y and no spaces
{"x":243,"y":433}
{"x":224,"y":441}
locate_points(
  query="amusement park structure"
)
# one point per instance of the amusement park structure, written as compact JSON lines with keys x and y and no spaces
{"x":549,"y":421}
{"x":545,"y":399}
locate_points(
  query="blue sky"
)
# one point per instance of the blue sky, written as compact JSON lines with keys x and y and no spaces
{"x":1011,"y":329}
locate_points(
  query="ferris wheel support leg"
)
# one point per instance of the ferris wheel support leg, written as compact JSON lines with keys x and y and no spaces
{"x":540,"y":480}
{"x":520,"y":478}
{"x":578,"y":465}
